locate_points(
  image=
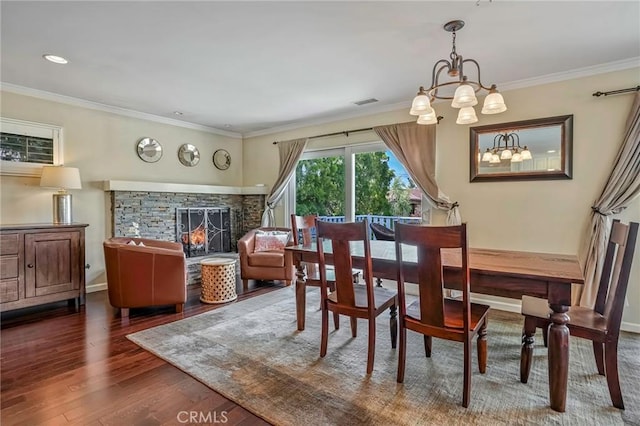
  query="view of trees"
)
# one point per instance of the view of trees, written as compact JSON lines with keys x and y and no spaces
{"x":379,"y":191}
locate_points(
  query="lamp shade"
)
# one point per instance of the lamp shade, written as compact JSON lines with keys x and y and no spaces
{"x":421,"y":105}
{"x":428,"y":118}
{"x":494,"y":104}
{"x":464,"y":96}
{"x":467,"y":115}
{"x":60,"y":177}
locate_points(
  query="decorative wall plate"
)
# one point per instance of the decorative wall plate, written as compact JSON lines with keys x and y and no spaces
{"x":221,"y":159}
{"x":149,"y":150}
{"x":188,"y":155}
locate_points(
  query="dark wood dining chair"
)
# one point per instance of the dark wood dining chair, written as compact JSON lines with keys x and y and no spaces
{"x":600,"y":324}
{"x":351,"y":299}
{"x":433,"y":315}
{"x":302,"y":229}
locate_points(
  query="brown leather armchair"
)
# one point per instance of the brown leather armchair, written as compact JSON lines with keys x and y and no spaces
{"x":264,"y":265}
{"x":149,"y":275}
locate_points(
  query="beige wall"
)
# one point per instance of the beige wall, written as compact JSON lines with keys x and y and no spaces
{"x":102,"y":145}
{"x":546,"y":216}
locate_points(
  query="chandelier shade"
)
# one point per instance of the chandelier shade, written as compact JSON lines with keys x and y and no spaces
{"x":464,"y":96}
{"x":467,"y":115}
{"x":506,"y":146}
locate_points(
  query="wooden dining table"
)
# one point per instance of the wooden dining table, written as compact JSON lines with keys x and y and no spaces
{"x":503,"y":273}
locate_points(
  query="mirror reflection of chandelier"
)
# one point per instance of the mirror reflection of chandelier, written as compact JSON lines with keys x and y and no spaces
{"x":464,"y":96}
{"x":506,"y":146}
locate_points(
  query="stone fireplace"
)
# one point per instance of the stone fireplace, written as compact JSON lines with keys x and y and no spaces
{"x":161,"y":211}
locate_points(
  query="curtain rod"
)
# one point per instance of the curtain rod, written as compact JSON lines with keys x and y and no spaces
{"x":346,"y":132}
{"x":616,"y":92}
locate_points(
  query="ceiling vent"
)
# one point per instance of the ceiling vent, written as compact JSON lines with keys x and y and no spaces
{"x":366,"y":101}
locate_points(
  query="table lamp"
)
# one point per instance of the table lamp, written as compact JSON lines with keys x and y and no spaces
{"x":62,"y":178}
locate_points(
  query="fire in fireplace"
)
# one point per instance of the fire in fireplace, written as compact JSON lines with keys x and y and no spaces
{"x":203,"y":230}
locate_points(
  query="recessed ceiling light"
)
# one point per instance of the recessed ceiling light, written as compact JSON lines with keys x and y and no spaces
{"x":55,"y":59}
{"x":551,"y":151}
{"x":228,"y":126}
{"x":178,"y":113}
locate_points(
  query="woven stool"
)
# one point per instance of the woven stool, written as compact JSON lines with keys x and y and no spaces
{"x":218,"y":280}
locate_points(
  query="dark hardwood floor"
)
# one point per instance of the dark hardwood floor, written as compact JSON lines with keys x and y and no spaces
{"x":61,"y":367}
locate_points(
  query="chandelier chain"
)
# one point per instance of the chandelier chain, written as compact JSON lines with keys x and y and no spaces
{"x":453,"y":55}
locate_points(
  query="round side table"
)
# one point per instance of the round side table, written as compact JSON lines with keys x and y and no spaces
{"x":218,"y":280}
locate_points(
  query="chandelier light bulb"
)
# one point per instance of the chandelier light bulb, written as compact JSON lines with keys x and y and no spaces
{"x":421,"y":104}
{"x":467,"y":115}
{"x":428,"y":118}
{"x":506,"y":154}
{"x":494,"y":102}
{"x":464,"y":96}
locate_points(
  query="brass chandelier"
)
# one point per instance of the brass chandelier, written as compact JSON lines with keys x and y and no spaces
{"x":465,"y":93}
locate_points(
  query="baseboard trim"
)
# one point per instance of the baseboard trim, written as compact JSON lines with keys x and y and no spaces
{"x":96,"y":287}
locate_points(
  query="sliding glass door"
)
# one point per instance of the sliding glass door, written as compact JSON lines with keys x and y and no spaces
{"x":353,"y":183}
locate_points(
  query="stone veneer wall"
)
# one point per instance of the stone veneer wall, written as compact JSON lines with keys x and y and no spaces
{"x":155,"y":212}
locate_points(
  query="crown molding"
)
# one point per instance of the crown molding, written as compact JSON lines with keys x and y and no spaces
{"x":371,"y":110}
{"x":49,"y":96}
{"x":571,"y":74}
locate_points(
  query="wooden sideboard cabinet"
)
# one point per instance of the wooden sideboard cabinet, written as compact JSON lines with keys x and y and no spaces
{"x":41,"y":263}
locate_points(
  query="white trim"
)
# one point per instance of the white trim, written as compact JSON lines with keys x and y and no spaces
{"x":126,"y":185}
{"x":568,"y":75}
{"x":370,"y":110}
{"x":94,"y":288}
{"x":41,"y":94}
{"x":630,"y":327}
{"x":519,"y":84}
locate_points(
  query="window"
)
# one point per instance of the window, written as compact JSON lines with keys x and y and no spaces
{"x":353,"y":183}
{"x":26,"y":146}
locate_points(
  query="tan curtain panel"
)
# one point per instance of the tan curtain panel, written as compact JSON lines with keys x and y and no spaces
{"x":290,"y":153}
{"x":621,"y":188}
{"x":414,"y":145}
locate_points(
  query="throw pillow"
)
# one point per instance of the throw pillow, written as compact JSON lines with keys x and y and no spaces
{"x":131,"y":243}
{"x":271,"y":240}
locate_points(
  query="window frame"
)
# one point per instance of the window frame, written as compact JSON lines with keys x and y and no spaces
{"x":30,"y":128}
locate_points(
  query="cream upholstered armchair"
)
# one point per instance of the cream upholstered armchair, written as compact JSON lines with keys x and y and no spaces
{"x":260,"y":259}
{"x":149,"y":274}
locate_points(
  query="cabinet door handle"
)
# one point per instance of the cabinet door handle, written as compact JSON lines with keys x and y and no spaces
{"x":30,"y":265}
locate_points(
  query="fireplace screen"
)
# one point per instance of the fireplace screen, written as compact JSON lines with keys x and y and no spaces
{"x":203,"y":230}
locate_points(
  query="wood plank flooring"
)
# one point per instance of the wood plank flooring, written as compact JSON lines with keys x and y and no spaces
{"x":60,"y":368}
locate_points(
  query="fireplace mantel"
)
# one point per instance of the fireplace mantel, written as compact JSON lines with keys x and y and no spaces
{"x":127,"y":185}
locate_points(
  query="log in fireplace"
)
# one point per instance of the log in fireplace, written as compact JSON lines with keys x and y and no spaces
{"x":203,"y":230}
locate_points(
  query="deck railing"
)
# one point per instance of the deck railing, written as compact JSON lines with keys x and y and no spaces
{"x":388,"y":221}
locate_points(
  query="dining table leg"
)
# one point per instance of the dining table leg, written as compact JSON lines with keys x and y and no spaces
{"x":301,"y":297}
{"x":558,"y":347}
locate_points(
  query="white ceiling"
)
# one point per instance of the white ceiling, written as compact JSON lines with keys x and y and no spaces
{"x":246,"y":67}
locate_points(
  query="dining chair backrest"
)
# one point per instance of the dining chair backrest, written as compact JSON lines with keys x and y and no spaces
{"x":341,"y":236}
{"x":303,"y":226}
{"x":616,"y":270}
{"x":429,"y":242}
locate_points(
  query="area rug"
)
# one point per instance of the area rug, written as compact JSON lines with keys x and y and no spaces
{"x":251,"y":353}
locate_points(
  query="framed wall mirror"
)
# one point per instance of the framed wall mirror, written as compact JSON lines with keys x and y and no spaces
{"x":522,"y":150}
